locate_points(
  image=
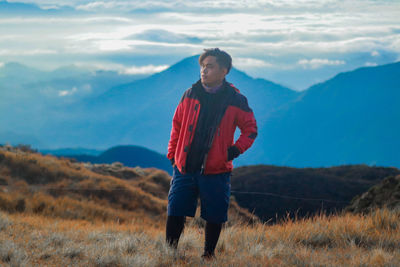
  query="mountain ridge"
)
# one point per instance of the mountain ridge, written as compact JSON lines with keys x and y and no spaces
{"x":348,"y":119}
{"x":128,"y":155}
{"x":339,"y":120}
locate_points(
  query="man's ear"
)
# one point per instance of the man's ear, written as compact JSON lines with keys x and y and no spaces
{"x":225,"y":71}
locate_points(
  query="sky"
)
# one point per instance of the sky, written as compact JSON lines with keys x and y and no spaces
{"x":293,"y":43}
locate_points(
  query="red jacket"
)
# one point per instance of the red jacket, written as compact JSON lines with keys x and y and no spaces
{"x":237,"y":114}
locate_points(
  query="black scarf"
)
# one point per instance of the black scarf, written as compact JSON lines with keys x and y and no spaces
{"x":212,"y":109}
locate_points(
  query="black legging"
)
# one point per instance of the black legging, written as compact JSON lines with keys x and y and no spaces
{"x":212,"y":235}
{"x":175,"y":225}
{"x":174,"y":229}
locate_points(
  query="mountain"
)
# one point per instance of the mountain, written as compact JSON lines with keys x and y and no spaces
{"x":12,"y":72}
{"x":385,"y":194}
{"x":352,"y":118}
{"x":141,"y":112}
{"x":131,"y":156}
{"x":71,"y":151}
{"x":32,"y":100}
{"x":271,"y":192}
{"x":349,"y":119}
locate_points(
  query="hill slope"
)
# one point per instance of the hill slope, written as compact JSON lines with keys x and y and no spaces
{"x":272,"y":192}
{"x":386,"y":194}
{"x":35,"y":184}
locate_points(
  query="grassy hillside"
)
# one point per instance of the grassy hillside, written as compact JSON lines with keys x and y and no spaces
{"x":32,"y":183}
{"x":385,"y":194}
{"x":302,"y":191}
{"x":54,"y":212}
{"x":346,"y":240}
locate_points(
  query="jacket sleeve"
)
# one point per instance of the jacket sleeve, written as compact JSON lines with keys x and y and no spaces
{"x":248,"y":129}
{"x":176,"y":127}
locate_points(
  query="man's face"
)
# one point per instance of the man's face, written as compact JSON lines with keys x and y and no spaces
{"x":211,"y":73}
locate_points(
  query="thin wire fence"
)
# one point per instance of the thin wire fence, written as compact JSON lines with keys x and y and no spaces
{"x":39,"y":187}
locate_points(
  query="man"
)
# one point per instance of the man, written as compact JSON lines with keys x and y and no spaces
{"x":202,"y":147}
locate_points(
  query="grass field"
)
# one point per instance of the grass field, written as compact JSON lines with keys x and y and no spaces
{"x":55,"y":212}
{"x":341,"y":240}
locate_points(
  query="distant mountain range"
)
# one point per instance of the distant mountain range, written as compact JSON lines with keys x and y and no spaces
{"x":141,"y":112}
{"x":350,"y":119}
{"x":131,"y":156}
{"x":32,"y":100}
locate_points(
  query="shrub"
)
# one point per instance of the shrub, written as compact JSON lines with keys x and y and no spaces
{"x":26,"y":148}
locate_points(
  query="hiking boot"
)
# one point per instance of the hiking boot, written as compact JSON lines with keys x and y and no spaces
{"x":208,"y":256}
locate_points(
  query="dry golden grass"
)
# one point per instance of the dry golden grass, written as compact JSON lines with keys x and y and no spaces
{"x":342,"y":240}
{"x":32,"y":183}
{"x":38,"y":184}
{"x":54,"y":212}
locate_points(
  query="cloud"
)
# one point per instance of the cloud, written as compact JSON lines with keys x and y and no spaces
{"x":245,"y":63}
{"x":2,"y":64}
{"x":375,"y":53}
{"x":280,"y":35}
{"x":149,"y":69}
{"x":195,"y":5}
{"x":120,"y":68}
{"x":370,"y":64}
{"x":129,"y":6}
{"x":63,"y":93}
{"x":220,"y":6}
{"x":159,"y":35}
{"x":317,"y":63}
{"x":8,"y":52}
{"x":97,"y":5}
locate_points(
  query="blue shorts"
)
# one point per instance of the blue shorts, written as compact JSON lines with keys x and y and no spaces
{"x":214,"y":191}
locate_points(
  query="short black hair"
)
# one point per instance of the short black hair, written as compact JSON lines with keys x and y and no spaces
{"x":223,"y":59}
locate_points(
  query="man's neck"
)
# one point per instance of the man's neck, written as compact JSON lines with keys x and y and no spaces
{"x":212,"y":89}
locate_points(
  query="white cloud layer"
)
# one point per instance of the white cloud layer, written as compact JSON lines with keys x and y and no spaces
{"x":260,"y":34}
{"x":149,"y":69}
{"x":26,"y":52}
{"x":245,"y":63}
{"x":68,"y":92}
{"x":370,"y":64}
{"x":316,"y":63}
{"x":261,"y":5}
{"x":375,"y":53}
{"x":121,"y":69}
